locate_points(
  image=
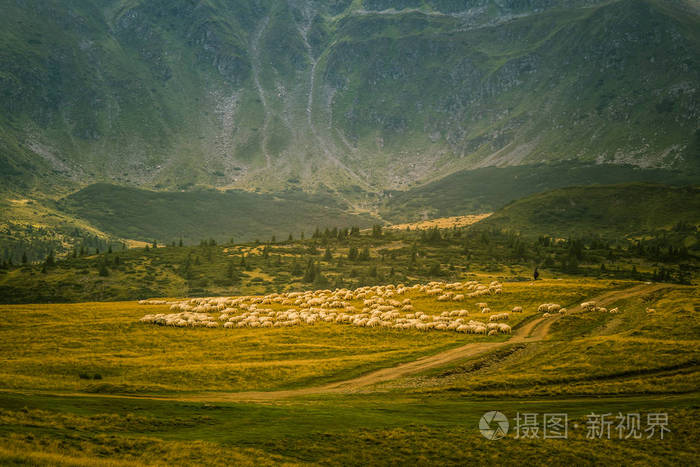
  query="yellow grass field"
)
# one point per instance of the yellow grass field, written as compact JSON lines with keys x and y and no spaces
{"x":442,"y":222}
{"x":88,"y":384}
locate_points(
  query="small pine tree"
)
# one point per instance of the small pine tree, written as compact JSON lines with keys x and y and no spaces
{"x":310,"y":273}
{"x":328,"y":256}
{"x":320,"y":281}
{"x":104,"y":272}
{"x":364,"y":254}
{"x":296,"y":268}
{"x":109,"y":250}
{"x":231,"y":273}
{"x":25,"y":260}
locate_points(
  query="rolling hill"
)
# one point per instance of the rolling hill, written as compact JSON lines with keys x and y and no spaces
{"x":490,"y":188}
{"x":196,"y":215}
{"x":608,"y":211}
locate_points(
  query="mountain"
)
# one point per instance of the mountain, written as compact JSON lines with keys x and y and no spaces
{"x":358,"y":95}
{"x":609,"y":211}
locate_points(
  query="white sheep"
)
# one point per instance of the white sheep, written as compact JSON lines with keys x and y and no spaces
{"x":504,"y":328}
{"x":499,"y":316}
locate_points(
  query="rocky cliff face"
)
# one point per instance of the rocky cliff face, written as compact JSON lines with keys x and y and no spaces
{"x":359,"y":96}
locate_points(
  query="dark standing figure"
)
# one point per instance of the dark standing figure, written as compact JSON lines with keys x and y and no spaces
{"x":536,"y":274}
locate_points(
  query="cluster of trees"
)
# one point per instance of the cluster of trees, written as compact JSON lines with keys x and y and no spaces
{"x":337,"y":257}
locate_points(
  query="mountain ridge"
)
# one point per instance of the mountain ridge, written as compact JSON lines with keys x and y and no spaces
{"x":360,"y":96}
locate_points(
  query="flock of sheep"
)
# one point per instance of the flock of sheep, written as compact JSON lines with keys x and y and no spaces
{"x":592,"y":306}
{"x":549,"y":309}
{"x":383,"y":307}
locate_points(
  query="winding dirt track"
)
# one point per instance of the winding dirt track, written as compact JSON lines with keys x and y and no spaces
{"x":532,"y":331}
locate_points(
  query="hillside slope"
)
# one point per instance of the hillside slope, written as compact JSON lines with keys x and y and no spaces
{"x":608,"y":211}
{"x":196,"y":215}
{"x":359,"y":95}
{"x":490,"y":188}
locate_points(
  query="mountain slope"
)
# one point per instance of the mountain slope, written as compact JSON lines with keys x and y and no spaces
{"x":195,"y":215}
{"x":608,"y":211}
{"x":490,"y":188}
{"x":359,"y":95}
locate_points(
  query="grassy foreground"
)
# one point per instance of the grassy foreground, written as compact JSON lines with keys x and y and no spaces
{"x":631,"y":362}
{"x":374,"y":429}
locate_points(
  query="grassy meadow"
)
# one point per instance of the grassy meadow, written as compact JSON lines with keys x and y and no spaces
{"x":87,"y":384}
{"x":106,"y":339}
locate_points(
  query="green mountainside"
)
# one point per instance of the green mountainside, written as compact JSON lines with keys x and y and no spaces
{"x":196,"y":215}
{"x":608,"y":211}
{"x":362,"y":95}
{"x":490,"y":188}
